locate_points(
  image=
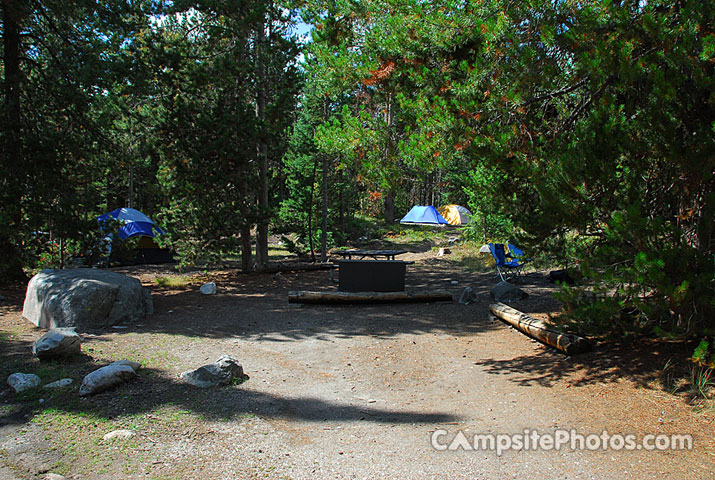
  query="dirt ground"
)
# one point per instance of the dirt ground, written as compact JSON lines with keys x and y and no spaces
{"x":342,"y":392}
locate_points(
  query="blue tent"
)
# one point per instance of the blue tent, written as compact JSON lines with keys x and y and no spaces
{"x":135,"y":223}
{"x":424,"y":215}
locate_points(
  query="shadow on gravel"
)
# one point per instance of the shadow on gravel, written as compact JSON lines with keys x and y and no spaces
{"x":643,"y":362}
{"x":256,"y":307}
{"x":152,"y":390}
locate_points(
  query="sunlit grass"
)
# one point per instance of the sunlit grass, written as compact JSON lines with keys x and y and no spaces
{"x":79,"y":437}
{"x":467,"y":256}
{"x":173,"y":281}
{"x":279,"y":252}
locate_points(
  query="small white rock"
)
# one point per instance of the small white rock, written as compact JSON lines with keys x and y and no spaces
{"x":59,"y":383}
{"x":208,"y":288}
{"x":123,"y":434}
{"x":53,"y":476}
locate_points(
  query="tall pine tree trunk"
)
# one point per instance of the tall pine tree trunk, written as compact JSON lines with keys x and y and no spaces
{"x":246,"y":253}
{"x":390,"y":206}
{"x":389,"y":199}
{"x":13,"y":164}
{"x":310,"y":210}
{"x":262,"y":149}
{"x":324,"y":225}
{"x":341,"y":202}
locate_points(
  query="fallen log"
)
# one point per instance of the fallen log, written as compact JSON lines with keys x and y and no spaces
{"x":367,"y":297}
{"x":538,"y":330}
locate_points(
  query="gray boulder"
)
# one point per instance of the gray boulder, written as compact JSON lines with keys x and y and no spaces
{"x":506,"y":292}
{"x":208,"y":288}
{"x":222,"y":372}
{"x":107,"y":377}
{"x":85,"y":299}
{"x":135,"y":365}
{"x":23,"y":381}
{"x":58,"y":342}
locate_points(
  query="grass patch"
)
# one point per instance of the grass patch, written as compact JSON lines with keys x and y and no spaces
{"x":173,"y":281}
{"x":468,"y":257}
{"x":279,"y":252}
{"x":400,"y":233}
{"x":156,"y":350}
{"x":79,"y":438}
{"x":6,"y":336}
{"x":701,"y":382}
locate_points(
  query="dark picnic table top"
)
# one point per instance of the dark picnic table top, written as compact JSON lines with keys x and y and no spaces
{"x":375,"y":254}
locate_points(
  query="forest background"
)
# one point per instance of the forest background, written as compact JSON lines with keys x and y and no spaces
{"x":584,"y":130}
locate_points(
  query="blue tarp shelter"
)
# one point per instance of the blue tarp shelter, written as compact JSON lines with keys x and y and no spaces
{"x":134,"y":223}
{"x":424,"y":215}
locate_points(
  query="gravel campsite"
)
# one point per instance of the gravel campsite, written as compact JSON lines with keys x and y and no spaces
{"x":357,"y":239}
{"x":341,"y":391}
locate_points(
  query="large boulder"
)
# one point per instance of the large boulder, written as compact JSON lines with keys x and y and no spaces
{"x":58,"y":342}
{"x":506,"y":292}
{"x":85,"y":299}
{"x":222,"y":372}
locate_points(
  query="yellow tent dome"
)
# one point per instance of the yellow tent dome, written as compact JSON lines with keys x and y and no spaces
{"x":455,"y":214}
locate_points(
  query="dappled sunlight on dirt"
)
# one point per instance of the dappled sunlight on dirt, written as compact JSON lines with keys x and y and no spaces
{"x":329,"y":384}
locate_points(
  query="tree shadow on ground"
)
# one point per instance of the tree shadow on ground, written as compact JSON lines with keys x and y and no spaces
{"x":643,"y":362}
{"x":152,"y":389}
{"x":256,"y":306}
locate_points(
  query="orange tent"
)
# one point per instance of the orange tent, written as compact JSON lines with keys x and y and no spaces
{"x":455,"y":214}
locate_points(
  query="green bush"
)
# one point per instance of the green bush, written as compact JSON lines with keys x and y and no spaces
{"x":642,"y":277}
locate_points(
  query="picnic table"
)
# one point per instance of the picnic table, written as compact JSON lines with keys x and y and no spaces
{"x":374,"y":254}
{"x":371,"y":270}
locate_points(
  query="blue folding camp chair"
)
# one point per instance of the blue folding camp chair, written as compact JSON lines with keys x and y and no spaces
{"x":506,"y":269}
